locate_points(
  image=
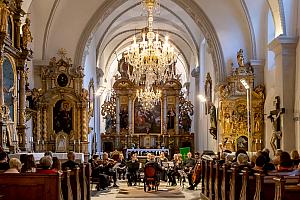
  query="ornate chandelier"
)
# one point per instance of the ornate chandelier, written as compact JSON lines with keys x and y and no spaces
{"x":150,"y":58}
{"x":148,"y":98}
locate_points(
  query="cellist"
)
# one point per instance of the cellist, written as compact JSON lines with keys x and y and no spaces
{"x":194,"y":176}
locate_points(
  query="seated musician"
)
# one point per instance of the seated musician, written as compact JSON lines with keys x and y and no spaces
{"x":121,"y":169}
{"x":108,"y":169}
{"x":177,"y":160}
{"x":132,"y":168}
{"x":189,"y":165}
{"x":97,"y":172}
{"x":70,"y":164}
{"x":195,"y":176}
{"x":163,"y":159}
{"x":152,"y":162}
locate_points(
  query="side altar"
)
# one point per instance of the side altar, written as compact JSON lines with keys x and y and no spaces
{"x":59,"y":110}
{"x":129,"y":125}
{"x":241,"y":109}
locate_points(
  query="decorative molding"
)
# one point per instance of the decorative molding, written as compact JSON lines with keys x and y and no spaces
{"x":284,"y":45}
{"x":48,"y":26}
{"x":251,"y":29}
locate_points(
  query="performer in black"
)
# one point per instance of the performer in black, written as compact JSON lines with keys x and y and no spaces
{"x":121,"y":169}
{"x":132,"y":168}
{"x":98,"y":172}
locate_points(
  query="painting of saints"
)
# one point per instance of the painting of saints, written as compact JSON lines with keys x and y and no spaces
{"x":62,"y":114}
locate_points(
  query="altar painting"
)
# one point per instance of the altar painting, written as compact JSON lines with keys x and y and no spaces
{"x":147,"y":121}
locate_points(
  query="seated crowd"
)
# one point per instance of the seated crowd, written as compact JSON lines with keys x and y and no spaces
{"x":27,"y":164}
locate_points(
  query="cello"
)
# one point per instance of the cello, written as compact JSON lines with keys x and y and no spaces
{"x":197,"y":172}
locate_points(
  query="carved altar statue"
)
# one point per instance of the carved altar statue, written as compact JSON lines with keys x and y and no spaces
{"x":61,"y":107}
{"x":233,"y":109}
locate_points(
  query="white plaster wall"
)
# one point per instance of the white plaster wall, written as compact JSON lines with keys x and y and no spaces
{"x":291,"y":16}
{"x":90,"y":73}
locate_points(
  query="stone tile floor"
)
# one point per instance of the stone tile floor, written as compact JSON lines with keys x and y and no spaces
{"x":112,"y":193}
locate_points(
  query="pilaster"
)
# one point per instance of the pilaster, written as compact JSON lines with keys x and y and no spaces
{"x":198,"y":137}
{"x":285,"y":61}
{"x":258,"y":67}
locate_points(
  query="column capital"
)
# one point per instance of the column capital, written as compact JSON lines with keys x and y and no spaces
{"x":284,"y":45}
{"x":258,"y":62}
{"x":196,"y":72}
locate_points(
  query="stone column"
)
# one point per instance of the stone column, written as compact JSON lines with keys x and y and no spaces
{"x":199,"y":138}
{"x":177,"y":115}
{"x":117,"y":121}
{"x":258,"y":67}
{"x":285,"y":61}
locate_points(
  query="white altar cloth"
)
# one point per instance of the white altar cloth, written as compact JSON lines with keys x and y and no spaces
{"x":60,"y":156}
{"x":142,"y":151}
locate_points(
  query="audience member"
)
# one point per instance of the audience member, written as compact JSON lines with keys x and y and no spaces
{"x":70,"y":164}
{"x":29,"y":164}
{"x":3,"y":161}
{"x":295,"y":158}
{"x":46,"y":164}
{"x":259,"y":164}
{"x":268,"y":165}
{"x":56,"y":166}
{"x":242,"y":161}
{"x":15,"y":166}
{"x":285,"y":163}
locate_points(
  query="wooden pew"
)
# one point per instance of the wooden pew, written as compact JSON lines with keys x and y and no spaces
{"x":84,"y":176}
{"x":212,"y":172}
{"x":30,"y":186}
{"x":66,"y":186}
{"x":202,"y":176}
{"x":206,"y":178}
{"x":218,"y":181}
{"x":75,"y":183}
{"x":286,"y":192}
{"x":225,"y":183}
{"x":248,"y":185}
{"x":265,"y":185}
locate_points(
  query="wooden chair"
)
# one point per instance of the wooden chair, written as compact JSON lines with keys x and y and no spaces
{"x":151,"y":177}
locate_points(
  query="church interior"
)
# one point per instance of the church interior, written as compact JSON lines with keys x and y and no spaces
{"x":134,"y":99}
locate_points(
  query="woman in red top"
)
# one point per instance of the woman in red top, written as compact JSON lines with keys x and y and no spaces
{"x":46,"y":164}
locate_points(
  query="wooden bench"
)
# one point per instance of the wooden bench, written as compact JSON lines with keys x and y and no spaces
{"x":31,"y":186}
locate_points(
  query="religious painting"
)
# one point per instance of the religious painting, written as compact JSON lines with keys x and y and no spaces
{"x":62,"y":117}
{"x":124,"y":117}
{"x":171,"y":118}
{"x":208,"y":93}
{"x":147,"y":121}
{"x":62,"y":142}
{"x":9,"y":86}
{"x":242,"y":143}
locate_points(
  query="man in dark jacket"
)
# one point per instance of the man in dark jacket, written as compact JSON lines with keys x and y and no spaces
{"x":70,"y":164}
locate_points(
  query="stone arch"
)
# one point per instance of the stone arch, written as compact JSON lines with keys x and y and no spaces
{"x":277,"y":9}
{"x":190,"y":7}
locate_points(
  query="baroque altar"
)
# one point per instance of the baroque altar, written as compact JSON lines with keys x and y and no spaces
{"x":60,"y":108}
{"x":129,"y":125}
{"x":233,"y":116}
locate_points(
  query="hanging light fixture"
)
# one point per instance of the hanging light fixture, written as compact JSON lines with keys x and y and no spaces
{"x":150,"y":58}
{"x":148,"y":98}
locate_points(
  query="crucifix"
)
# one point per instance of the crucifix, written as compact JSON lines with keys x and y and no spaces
{"x":276,"y":123}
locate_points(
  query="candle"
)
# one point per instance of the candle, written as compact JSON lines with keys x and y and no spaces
{"x":79,"y":141}
{"x":38,"y":141}
{"x":74,"y":142}
{"x":43,"y":142}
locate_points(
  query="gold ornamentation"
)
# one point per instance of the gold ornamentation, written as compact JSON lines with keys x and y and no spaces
{"x":27,"y":38}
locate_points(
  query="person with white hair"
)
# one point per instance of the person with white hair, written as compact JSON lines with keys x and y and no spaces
{"x":15,"y":166}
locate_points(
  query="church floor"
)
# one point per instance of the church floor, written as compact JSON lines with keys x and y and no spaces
{"x":137,"y":193}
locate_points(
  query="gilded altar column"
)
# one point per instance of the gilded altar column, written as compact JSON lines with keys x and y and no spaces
{"x":44,"y":131}
{"x":177,"y":115}
{"x":84,"y":124}
{"x":22,"y":106}
{"x":130,"y":114}
{"x":38,"y":125}
{"x":117,"y":120}
{"x":165,"y":108}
